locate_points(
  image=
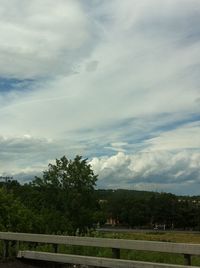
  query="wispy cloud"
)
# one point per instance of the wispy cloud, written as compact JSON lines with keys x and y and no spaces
{"x":41,"y":38}
{"x":98,"y":78}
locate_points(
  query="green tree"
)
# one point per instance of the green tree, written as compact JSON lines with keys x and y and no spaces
{"x":66,"y":190}
{"x":14,"y":216}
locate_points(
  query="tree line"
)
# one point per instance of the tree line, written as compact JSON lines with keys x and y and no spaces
{"x":140,"y":209}
{"x":64,"y":200}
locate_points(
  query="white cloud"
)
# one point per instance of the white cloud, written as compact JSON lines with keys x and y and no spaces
{"x":186,"y":137}
{"x":117,"y":76}
{"x":41,"y":38}
{"x":137,"y":74}
{"x":150,"y":171}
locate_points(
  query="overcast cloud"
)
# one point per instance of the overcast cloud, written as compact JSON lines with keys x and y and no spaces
{"x":114,"y":81}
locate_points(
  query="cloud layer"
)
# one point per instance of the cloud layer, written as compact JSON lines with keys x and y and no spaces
{"x":41,"y":38}
{"x":110,"y":80}
{"x":163,"y":171}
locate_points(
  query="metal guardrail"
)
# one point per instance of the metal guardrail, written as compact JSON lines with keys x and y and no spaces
{"x":116,"y":244}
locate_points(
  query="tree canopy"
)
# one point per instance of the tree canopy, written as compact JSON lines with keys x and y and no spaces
{"x":67,"y":188}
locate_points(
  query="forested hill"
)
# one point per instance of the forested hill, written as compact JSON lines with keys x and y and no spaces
{"x":150,"y":209}
{"x":106,"y":193}
{"x":142,"y":195}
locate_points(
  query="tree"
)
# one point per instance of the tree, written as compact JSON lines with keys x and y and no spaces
{"x":67,"y":189}
{"x":14,"y":216}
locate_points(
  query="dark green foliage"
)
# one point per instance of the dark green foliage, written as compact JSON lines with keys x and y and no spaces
{"x":65,"y":196}
{"x":14,"y":216}
{"x":64,"y":201}
{"x":140,"y":209}
{"x":61,"y":201}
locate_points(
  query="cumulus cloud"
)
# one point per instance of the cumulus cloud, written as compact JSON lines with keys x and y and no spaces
{"x":100,"y":77}
{"x":163,"y":171}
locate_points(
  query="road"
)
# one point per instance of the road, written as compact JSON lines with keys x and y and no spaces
{"x":130,"y":230}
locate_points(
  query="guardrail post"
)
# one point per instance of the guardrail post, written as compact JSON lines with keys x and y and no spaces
{"x":187,"y":258}
{"x":116,"y":253}
{"x":55,"y":248}
{"x":13,"y":246}
{"x":5,"y":249}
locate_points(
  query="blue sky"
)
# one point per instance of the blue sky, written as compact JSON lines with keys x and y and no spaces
{"x":114,"y":81}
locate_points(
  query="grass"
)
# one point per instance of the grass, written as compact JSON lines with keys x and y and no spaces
{"x":176,"y":237}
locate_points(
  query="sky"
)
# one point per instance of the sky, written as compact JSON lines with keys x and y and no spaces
{"x":114,"y":81}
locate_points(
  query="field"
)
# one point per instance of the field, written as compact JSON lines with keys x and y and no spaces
{"x":176,"y":237}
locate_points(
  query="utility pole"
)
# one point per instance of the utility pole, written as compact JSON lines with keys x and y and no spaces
{"x":6,"y":178}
